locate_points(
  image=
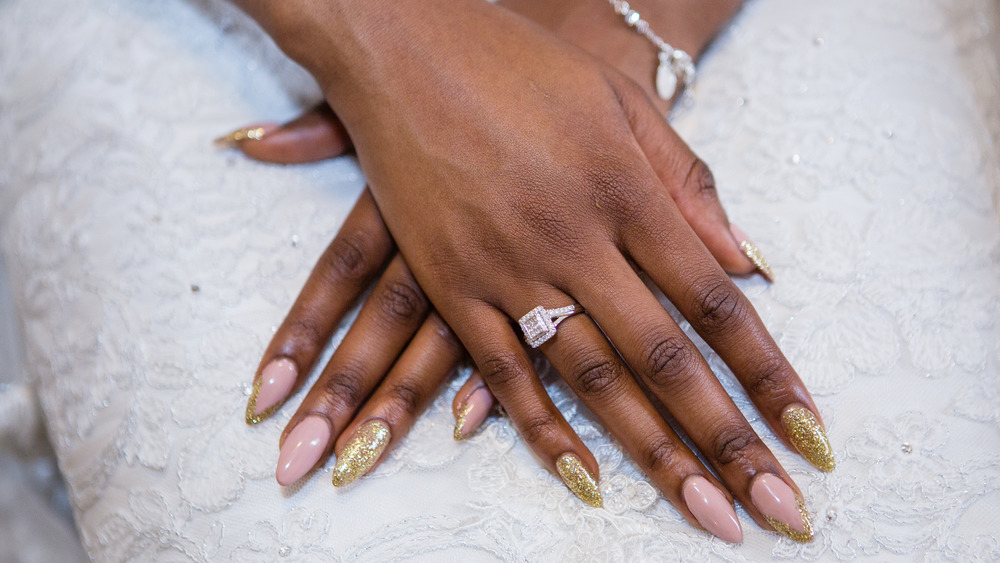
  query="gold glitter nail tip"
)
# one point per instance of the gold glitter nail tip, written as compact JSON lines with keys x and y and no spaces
{"x":361,"y":453}
{"x":460,"y":424}
{"x":792,"y":533}
{"x":240,"y":135}
{"x":806,"y":433}
{"x":253,"y":417}
{"x":751,"y":251}
{"x":579,"y":480}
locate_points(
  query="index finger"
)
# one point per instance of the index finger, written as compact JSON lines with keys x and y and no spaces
{"x":343,"y":272}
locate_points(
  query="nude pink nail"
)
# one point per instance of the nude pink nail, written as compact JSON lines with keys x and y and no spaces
{"x":303,"y":448}
{"x":473,"y":413}
{"x":780,"y":507}
{"x":711,"y":508}
{"x":276,"y":381}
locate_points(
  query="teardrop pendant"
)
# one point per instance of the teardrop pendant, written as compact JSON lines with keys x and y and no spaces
{"x":666,"y":78}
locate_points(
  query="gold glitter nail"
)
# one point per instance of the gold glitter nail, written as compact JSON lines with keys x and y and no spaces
{"x":460,"y":423}
{"x":579,"y":480}
{"x":254,"y":417}
{"x":361,"y":452}
{"x":240,"y":135}
{"x":751,"y":251}
{"x":788,"y":531}
{"x":806,"y":433}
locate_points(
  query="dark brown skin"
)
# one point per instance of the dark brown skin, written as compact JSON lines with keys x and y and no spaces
{"x":513,"y":169}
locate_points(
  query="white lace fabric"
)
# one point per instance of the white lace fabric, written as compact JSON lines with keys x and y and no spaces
{"x":856,"y":141}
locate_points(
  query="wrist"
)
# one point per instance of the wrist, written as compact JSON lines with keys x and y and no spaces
{"x":689,"y":25}
{"x":361,"y":52}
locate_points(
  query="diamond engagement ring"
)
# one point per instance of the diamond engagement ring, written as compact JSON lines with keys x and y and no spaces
{"x":539,"y":325}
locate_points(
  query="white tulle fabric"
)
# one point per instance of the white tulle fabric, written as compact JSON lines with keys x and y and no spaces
{"x":857,"y":141}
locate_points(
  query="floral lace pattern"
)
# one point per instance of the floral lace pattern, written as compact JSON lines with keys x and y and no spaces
{"x":856,"y":141}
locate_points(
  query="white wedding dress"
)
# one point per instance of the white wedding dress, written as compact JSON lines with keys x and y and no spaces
{"x":858,"y":142}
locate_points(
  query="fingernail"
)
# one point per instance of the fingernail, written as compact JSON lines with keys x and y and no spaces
{"x":236,"y":137}
{"x":711,"y":508}
{"x":473,"y":413}
{"x":302,"y":449}
{"x":751,"y":251}
{"x":807,"y":434}
{"x":782,"y":509}
{"x":579,"y":480}
{"x":361,"y":453}
{"x":273,"y":386}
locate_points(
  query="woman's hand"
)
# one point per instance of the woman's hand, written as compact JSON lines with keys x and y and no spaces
{"x":550,"y":200}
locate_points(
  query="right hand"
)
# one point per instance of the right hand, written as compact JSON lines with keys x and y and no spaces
{"x":615,"y":188}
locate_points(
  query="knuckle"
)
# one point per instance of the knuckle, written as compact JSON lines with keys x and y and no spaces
{"x":547,"y":222}
{"x":659,"y":453}
{"x":597,"y":377}
{"x":444,"y":336}
{"x":345,"y":387}
{"x":700,"y":181}
{"x":767,"y":380}
{"x":304,"y":330}
{"x":502,"y":370}
{"x":734,"y":444}
{"x":539,"y":427}
{"x":347,"y":258}
{"x":668,"y":362}
{"x":616,"y":190}
{"x":406,"y":397}
{"x":719,"y":306}
{"x":402,"y":300}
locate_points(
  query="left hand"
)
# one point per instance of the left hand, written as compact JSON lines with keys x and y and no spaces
{"x":756,"y":395}
{"x":317,"y":135}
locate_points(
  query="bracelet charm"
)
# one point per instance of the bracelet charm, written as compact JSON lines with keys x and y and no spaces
{"x":676,"y":66}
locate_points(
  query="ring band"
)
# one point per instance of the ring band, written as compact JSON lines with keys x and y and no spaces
{"x":539,"y":325}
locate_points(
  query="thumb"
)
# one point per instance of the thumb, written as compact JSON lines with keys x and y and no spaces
{"x":313,"y":136}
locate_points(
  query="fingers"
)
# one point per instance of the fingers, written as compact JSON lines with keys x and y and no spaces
{"x":343,"y":272}
{"x":691,"y":185}
{"x":726,"y":320}
{"x":391,"y":411}
{"x":673,"y":370}
{"x":313,"y":136}
{"x":472,"y":405}
{"x":505,"y":367}
{"x":586,"y":360}
{"x":385,"y":324}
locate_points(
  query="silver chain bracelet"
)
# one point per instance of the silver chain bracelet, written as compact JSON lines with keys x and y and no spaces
{"x":675,"y":64}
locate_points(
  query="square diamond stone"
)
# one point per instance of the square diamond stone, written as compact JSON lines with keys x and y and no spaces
{"x":537,"y":327}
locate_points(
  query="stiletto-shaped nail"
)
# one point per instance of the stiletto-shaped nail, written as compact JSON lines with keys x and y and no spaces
{"x":805,"y":431}
{"x":361,"y":453}
{"x":750,"y":250}
{"x":271,"y":389}
{"x":302,"y":449}
{"x":711,"y":508}
{"x":473,"y":413}
{"x":781,"y":507}
{"x":579,"y":480}
{"x":236,"y":137}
